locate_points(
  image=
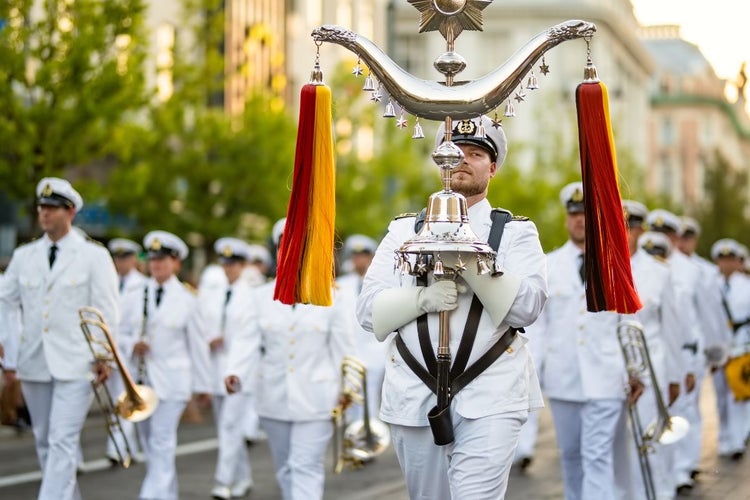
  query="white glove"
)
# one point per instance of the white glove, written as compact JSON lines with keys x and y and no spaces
{"x":395,"y":307}
{"x":440,"y":296}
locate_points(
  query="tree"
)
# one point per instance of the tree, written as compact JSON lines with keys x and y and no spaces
{"x":70,"y":78}
{"x":723,"y":211}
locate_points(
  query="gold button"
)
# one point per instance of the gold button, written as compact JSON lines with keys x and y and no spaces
{"x":46,"y":330}
{"x":291,"y":328}
{"x":291,"y":370}
{"x":393,"y":358}
{"x":580,"y":341}
{"x":509,"y":350}
{"x":46,"y":315}
{"x":291,"y":341}
{"x":291,"y":356}
{"x":46,"y":301}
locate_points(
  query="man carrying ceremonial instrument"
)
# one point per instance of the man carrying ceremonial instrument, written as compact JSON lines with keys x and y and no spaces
{"x":487,"y":414}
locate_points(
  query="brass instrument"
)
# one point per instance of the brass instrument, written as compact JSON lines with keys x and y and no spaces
{"x":136,"y":403}
{"x":665,"y":429}
{"x":356,"y":443}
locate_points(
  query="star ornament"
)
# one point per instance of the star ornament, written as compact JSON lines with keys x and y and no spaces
{"x":401,"y":122}
{"x":450,"y":17}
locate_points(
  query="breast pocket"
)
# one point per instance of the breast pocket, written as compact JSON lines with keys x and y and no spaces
{"x":30,"y":287}
{"x":73,"y":290}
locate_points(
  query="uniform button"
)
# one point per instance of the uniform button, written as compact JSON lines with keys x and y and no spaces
{"x":46,"y":315}
{"x":46,"y":301}
{"x":291,"y":370}
{"x":509,"y":350}
{"x":393,"y":358}
{"x":580,"y":341}
{"x":46,"y":330}
{"x":580,"y":327}
{"x":291,"y":356}
{"x":291,"y":329}
{"x":291,"y":341}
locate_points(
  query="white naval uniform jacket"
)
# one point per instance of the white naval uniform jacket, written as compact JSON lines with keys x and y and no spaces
{"x":51,"y":342}
{"x":510,"y":383}
{"x":687,"y":277}
{"x":717,"y":331}
{"x":662,"y":324}
{"x":177,"y":363}
{"x":737,"y":296}
{"x":583,"y":359}
{"x":300,"y":369}
{"x":230,"y":322}
{"x":133,"y":282}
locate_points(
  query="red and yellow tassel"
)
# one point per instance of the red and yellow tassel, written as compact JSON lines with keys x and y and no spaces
{"x":305,"y":270}
{"x":609,"y":278}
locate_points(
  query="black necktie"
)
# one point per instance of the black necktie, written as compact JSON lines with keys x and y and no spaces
{"x":52,"y":255}
{"x":122,"y":284}
{"x":159,"y":292}
{"x":582,"y":268}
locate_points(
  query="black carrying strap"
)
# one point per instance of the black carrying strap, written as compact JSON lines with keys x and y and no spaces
{"x":459,"y":374}
{"x":463,"y":379}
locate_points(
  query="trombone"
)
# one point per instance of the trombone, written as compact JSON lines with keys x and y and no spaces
{"x":665,"y":429}
{"x":358,"y":442}
{"x":136,"y":403}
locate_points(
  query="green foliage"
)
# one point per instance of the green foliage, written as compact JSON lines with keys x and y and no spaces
{"x":70,"y":77}
{"x":723,"y":212}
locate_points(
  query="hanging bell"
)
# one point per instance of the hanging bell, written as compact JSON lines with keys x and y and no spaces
{"x":406,"y":266}
{"x":510,"y":111}
{"x":369,"y":85}
{"x":482,"y":267}
{"x":438,"y":268}
{"x":418,"y":133}
{"x":481,"y":133}
{"x":390,"y":110}
{"x":532,"y":83}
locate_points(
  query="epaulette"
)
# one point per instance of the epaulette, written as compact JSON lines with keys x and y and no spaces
{"x":190,"y":288}
{"x":520,"y":218}
{"x":405,"y":215}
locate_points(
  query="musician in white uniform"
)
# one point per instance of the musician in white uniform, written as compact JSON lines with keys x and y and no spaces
{"x":125,"y":255}
{"x":359,"y":251}
{"x":50,"y":279}
{"x":733,"y":415}
{"x":300,"y":381}
{"x":663,"y":332}
{"x":226,"y":311}
{"x":704,"y":327}
{"x":172,"y":356}
{"x":584,"y":374}
{"x":487,"y":414}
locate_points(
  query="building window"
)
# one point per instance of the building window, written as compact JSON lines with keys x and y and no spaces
{"x":667,"y":132}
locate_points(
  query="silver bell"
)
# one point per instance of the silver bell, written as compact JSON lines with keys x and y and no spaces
{"x":482,"y":267}
{"x":438,"y":268}
{"x":510,"y":111}
{"x":418,"y":133}
{"x":532,"y":83}
{"x":390,"y":110}
{"x":369,"y":85}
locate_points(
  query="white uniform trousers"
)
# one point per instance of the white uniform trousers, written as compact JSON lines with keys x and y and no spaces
{"x":585,"y":434}
{"x":687,"y":454}
{"x":159,"y":435}
{"x":628,"y":475}
{"x":233,"y":461}
{"x":251,"y":421}
{"x":58,"y":411}
{"x":116,"y":387}
{"x":527,"y":438}
{"x":733,"y":416}
{"x":298,"y":450}
{"x":474,"y":467}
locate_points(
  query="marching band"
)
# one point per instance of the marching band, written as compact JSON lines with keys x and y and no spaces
{"x":232,"y":343}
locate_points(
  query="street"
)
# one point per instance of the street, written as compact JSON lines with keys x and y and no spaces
{"x":721,"y":479}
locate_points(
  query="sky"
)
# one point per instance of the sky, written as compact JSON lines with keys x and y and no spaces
{"x":718,"y":27}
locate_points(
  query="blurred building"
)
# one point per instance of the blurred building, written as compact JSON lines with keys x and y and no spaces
{"x":691,"y":119}
{"x":547,"y":115}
